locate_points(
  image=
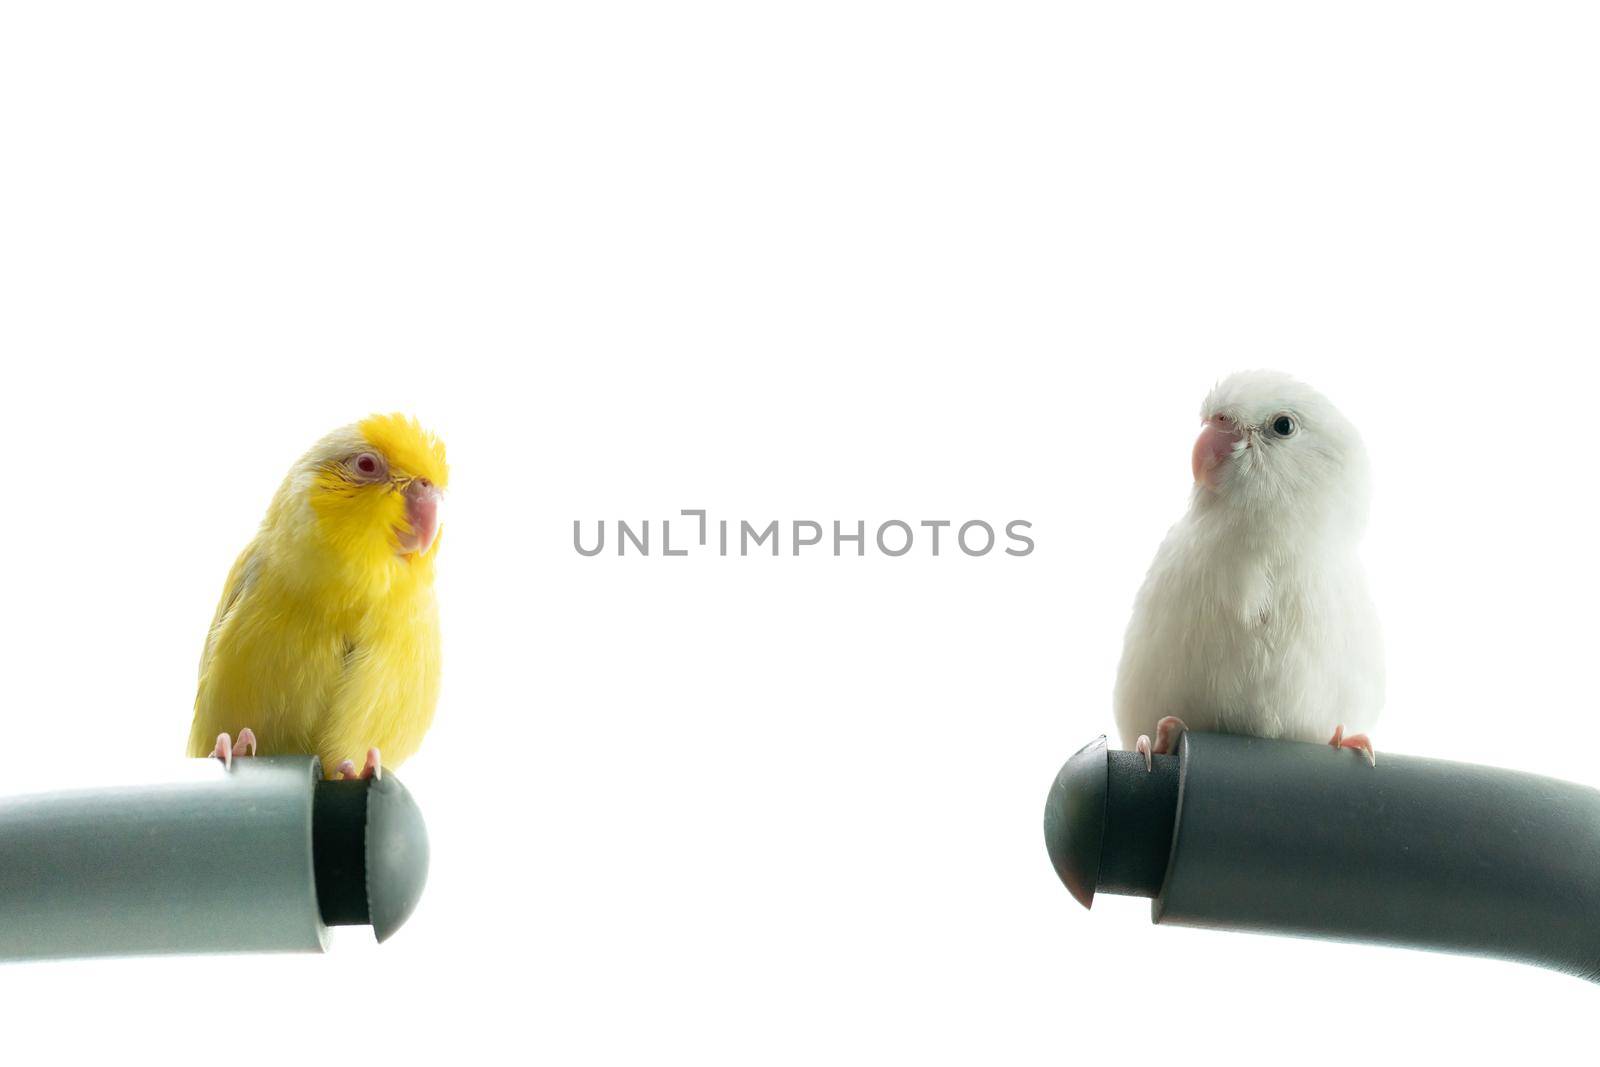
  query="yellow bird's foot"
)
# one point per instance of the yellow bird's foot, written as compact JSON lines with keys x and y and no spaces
{"x":372,"y":769}
{"x":227,"y":748}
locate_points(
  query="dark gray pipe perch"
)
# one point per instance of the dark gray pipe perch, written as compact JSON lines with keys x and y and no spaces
{"x":262,"y":858}
{"x":1283,"y":837}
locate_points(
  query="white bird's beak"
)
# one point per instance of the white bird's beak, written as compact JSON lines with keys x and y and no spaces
{"x":1219,"y":439}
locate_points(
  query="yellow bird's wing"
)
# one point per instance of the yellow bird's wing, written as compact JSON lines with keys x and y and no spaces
{"x":204,"y":729}
{"x":239,"y":578}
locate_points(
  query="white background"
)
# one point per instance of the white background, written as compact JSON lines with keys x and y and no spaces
{"x":855,"y":261}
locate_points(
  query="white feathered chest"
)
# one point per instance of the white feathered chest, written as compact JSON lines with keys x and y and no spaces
{"x":1258,"y":634}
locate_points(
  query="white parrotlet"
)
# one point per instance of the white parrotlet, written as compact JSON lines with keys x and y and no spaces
{"x":1255,"y":617}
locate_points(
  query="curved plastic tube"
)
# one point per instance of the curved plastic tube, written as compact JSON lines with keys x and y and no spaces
{"x":1283,"y":837}
{"x":262,"y":858}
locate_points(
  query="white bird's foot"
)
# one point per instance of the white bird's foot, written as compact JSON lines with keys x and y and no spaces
{"x":372,"y":769}
{"x":1167,"y":731}
{"x":1359,"y":742}
{"x":227,"y":748}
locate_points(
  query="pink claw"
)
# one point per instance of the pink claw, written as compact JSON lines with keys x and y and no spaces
{"x":372,"y":769}
{"x":227,"y":748}
{"x":1167,"y":731}
{"x":1359,"y":742}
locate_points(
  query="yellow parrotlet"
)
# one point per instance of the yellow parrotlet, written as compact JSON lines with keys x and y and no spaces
{"x":327,"y":638}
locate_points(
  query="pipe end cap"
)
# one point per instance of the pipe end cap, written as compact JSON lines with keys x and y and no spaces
{"x":397,"y":855}
{"x":1075,"y":819}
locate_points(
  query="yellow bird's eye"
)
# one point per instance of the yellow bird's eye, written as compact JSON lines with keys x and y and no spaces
{"x":368,"y":467}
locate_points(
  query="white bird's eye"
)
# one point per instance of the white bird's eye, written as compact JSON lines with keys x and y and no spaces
{"x":368,"y":466}
{"x":1284,"y":425}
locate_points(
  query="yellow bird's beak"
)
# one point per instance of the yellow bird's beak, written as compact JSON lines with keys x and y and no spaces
{"x":422,"y":516}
